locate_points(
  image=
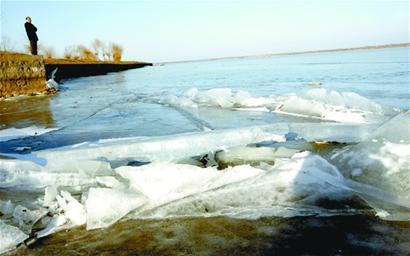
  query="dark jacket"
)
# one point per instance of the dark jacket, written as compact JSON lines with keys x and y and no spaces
{"x":31,"y":31}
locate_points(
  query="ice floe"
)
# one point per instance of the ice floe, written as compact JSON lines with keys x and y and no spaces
{"x":315,"y":103}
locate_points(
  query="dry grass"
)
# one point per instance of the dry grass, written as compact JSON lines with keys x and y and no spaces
{"x":97,"y":52}
{"x":47,"y":52}
{"x":116,"y":52}
{"x":81,"y":61}
{"x":85,"y":53}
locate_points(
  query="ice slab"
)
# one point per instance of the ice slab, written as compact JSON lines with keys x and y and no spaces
{"x":344,"y":133}
{"x":53,"y":226}
{"x":10,"y":237}
{"x":105,"y":206}
{"x":250,"y":155}
{"x":50,"y":194}
{"x":26,"y":218}
{"x":6,"y":207}
{"x":26,"y":175}
{"x":288,"y":184}
{"x":381,"y":161}
{"x":163,"y":183}
{"x":165,"y":148}
{"x":73,"y":210}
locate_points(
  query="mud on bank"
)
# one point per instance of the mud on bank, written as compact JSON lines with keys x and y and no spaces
{"x":21,"y":74}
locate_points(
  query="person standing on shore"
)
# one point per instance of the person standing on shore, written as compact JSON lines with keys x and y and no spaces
{"x":32,"y":35}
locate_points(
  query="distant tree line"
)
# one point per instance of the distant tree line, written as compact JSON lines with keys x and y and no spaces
{"x":97,"y":51}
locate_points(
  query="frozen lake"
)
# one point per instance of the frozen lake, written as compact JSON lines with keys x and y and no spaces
{"x":304,"y":142}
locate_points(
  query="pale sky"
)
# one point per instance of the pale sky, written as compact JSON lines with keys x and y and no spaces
{"x":159,"y":30}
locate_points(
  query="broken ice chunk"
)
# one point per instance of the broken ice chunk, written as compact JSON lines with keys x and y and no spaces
{"x":73,"y":210}
{"x":6,"y":207}
{"x":105,"y":206}
{"x":278,"y":190}
{"x":162,"y":183}
{"x":53,"y":226}
{"x":108,"y":181}
{"x":26,"y":218}
{"x":343,"y":133}
{"x":252,"y":156}
{"x":382,"y":161}
{"x":10,"y":237}
{"x":50,"y":194}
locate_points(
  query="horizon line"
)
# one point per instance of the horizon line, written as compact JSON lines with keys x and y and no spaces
{"x":268,"y":55}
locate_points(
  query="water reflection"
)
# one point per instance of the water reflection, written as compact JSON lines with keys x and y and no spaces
{"x":22,"y":112}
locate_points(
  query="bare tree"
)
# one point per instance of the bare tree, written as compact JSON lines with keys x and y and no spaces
{"x":97,"y":47}
{"x":107,"y":53}
{"x":85,"y":53}
{"x":27,"y":48}
{"x":48,"y":52}
{"x":69,"y":53}
{"x":6,"y":44}
{"x":116,"y":52}
{"x":100,"y":51}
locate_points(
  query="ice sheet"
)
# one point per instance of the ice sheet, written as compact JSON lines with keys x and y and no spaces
{"x":14,"y":133}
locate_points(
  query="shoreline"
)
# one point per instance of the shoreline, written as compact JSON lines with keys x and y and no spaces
{"x":80,"y":68}
{"x":268,"y":55}
{"x":24,"y":74}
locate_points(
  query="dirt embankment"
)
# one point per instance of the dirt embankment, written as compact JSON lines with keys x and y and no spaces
{"x":79,"y":68}
{"x":21,"y":74}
